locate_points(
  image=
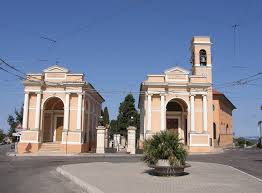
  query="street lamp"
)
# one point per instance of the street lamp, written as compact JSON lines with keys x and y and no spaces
{"x":131,"y":122}
{"x":101,"y":121}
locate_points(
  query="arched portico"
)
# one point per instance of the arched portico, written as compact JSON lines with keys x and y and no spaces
{"x":176,"y":117}
{"x":53,"y":120}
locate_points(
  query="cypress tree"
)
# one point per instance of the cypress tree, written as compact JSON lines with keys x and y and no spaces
{"x":106,"y":117}
{"x":126,"y":111}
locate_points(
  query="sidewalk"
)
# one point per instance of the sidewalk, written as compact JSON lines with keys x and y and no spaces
{"x":134,"y":178}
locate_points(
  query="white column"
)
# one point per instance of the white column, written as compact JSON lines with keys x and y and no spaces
{"x":66,"y":112}
{"x":162,"y":112}
{"x":25,"y":113}
{"x":141,"y":138}
{"x":79,"y":112}
{"x":192,"y":113}
{"x":149,"y":98}
{"x":145,"y":117}
{"x":131,"y":140}
{"x":37,"y":111}
{"x":205,"y":113}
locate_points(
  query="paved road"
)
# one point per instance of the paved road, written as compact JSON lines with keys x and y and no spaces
{"x":247,"y":160}
{"x":38,"y":175}
{"x":137,"y":178}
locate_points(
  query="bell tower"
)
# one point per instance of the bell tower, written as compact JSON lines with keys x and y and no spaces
{"x":201,"y":57}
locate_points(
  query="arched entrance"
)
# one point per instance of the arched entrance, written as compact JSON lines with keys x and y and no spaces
{"x":176,"y":117}
{"x":53,"y":120}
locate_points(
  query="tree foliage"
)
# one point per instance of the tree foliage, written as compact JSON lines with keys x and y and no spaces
{"x":15,"y":120}
{"x":126,"y":111}
{"x":114,"y":129}
{"x":106,"y":117}
{"x":2,"y":135}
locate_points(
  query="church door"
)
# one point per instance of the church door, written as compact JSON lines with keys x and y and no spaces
{"x":172,"y":125}
{"x":59,"y":128}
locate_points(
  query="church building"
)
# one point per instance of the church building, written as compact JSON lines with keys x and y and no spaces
{"x":185,"y":102}
{"x":61,"y":112}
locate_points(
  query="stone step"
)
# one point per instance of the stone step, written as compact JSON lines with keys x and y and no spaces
{"x":51,"y":147}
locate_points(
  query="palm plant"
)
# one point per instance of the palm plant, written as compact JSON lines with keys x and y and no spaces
{"x":165,"y":145}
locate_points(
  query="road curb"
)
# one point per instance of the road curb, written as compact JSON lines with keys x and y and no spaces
{"x":250,"y":175}
{"x":85,"y":186}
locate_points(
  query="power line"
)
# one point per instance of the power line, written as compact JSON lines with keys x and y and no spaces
{"x":20,"y":77}
{"x":12,"y":67}
{"x":47,"y":38}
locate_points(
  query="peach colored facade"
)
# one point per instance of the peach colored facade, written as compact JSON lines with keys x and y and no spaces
{"x":182,"y":101}
{"x":222,"y":125}
{"x":60,"y":108}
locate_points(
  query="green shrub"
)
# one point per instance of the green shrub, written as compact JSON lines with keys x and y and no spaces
{"x":240,"y":142}
{"x":165,"y":145}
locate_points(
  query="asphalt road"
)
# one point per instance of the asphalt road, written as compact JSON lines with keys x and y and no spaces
{"x":38,"y":175}
{"x":247,"y":160}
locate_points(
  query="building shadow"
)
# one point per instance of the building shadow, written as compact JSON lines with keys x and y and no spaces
{"x":28,"y":148}
{"x":152,"y":172}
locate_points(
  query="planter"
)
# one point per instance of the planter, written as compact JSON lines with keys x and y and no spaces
{"x":163,"y":168}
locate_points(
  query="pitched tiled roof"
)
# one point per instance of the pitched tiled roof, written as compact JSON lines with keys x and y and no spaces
{"x":223,"y":97}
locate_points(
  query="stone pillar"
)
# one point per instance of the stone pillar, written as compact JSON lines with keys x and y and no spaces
{"x":149,"y":98}
{"x":205,"y":113}
{"x":162,"y":112}
{"x":118,"y":138}
{"x":192,"y":113}
{"x":123,"y":141}
{"x":37,"y":111}
{"x":66,"y":112}
{"x":131,"y":140}
{"x":115,"y":140}
{"x":79,"y":112}
{"x":25,"y":113}
{"x":100,"y":142}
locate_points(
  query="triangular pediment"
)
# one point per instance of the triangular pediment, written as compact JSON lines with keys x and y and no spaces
{"x":177,"y":70}
{"x":56,"y":69}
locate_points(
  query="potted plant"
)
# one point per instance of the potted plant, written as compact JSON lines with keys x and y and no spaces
{"x":165,"y":153}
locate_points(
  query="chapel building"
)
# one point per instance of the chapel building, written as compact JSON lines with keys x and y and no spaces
{"x":185,"y":102}
{"x":61,"y":112}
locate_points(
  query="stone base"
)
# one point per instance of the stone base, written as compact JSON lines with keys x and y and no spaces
{"x":27,"y":148}
{"x":75,"y":148}
{"x":69,"y":148}
{"x":149,"y":135}
{"x":195,"y":149}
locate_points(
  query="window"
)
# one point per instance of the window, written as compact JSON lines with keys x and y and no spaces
{"x":214,"y":131}
{"x":203,"y":57}
{"x":213,"y":107}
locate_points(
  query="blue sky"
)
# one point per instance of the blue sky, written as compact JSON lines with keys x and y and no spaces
{"x":116,"y":43}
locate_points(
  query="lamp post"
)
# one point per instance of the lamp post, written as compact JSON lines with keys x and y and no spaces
{"x":260,"y":133}
{"x":101,"y":121}
{"x":131,"y":122}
